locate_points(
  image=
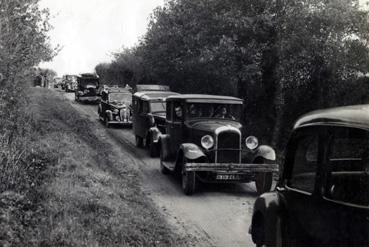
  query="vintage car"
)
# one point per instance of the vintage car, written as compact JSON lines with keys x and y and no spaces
{"x":87,"y":87}
{"x":70,"y":83}
{"x":204,"y":142}
{"x":148,"y":108}
{"x":115,"y":106}
{"x":322,"y":197}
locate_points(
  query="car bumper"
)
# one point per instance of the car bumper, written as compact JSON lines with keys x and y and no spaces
{"x":120,"y":123}
{"x":231,"y":172}
{"x":89,"y":98}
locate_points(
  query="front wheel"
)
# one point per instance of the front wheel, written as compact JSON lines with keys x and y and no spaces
{"x":107,"y":122}
{"x":188,"y":180}
{"x":153,"y":148}
{"x":263,"y":182}
{"x":139,"y":141}
{"x":277,"y":237}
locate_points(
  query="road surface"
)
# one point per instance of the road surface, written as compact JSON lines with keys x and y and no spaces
{"x":217,"y":214}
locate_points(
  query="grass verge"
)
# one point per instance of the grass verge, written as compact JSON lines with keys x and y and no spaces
{"x":80,"y":198}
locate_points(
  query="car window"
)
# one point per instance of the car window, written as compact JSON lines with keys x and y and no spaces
{"x":304,"y":165}
{"x":348,"y":166}
{"x":169,"y":111}
{"x":178,"y":112}
{"x":145,"y":107}
{"x":212,"y":110}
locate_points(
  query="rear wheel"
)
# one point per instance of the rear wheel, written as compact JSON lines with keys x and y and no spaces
{"x":139,"y":141}
{"x":188,"y":179}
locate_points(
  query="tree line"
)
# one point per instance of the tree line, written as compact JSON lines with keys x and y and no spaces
{"x":24,"y":43}
{"x":283,"y":57}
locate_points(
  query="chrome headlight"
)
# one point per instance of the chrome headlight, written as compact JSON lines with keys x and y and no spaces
{"x":251,"y":142}
{"x":207,"y":142}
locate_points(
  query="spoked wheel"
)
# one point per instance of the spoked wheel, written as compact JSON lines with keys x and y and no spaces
{"x":139,"y":141}
{"x":188,"y":179}
{"x":163,"y":169}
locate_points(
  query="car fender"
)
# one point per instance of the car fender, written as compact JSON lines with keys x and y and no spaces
{"x":154,"y":134}
{"x":109,"y":114}
{"x":191,"y":151}
{"x":266,"y":152}
{"x":267,"y":208}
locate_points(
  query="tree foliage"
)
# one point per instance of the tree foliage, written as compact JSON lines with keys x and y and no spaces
{"x":24,"y":43}
{"x":283,"y":57}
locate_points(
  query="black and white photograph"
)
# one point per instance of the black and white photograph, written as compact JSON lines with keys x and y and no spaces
{"x":215,"y":123}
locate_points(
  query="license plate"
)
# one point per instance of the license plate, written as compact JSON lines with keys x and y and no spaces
{"x":228,"y":177}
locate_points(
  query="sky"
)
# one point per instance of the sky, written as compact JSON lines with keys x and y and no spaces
{"x":90,"y":30}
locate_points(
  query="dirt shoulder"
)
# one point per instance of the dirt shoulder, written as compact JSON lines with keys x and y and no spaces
{"x":90,"y":195}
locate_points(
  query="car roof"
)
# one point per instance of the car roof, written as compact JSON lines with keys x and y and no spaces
{"x":206,"y":98}
{"x":116,"y":90}
{"x":152,"y":95}
{"x":349,"y":116}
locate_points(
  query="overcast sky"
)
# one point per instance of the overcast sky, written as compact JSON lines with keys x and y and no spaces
{"x":89,"y":30}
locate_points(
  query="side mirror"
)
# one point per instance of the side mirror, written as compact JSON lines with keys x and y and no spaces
{"x":151,"y":119}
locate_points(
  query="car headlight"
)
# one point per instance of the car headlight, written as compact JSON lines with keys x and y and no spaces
{"x":207,"y":142}
{"x":251,"y":142}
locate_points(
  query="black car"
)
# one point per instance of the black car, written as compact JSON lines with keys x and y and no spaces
{"x":203,"y":142}
{"x":322,"y":198}
{"x":115,"y":106}
{"x":87,"y":88}
{"x":148,"y":109}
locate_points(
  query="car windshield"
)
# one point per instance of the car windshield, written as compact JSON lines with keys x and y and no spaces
{"x":348,"y":157}
{"x":212,"y":110}
{"x":120,"y":97}
{"x":157,"y":106}
{"x":86,"y":82}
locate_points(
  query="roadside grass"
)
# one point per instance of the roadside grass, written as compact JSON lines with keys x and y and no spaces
{"x":88,"y":194}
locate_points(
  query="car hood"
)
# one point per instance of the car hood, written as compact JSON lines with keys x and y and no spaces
{"x":210,"y":125}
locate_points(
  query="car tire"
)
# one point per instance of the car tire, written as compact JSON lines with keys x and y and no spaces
{"x":139,"y":141}
{"x":153,"y":148}
{"x":188,"y":179}
{"x":263,"y":182}
{"x":163,"y":169}
{"x":279,"y":236}
{"x":106,"y":121}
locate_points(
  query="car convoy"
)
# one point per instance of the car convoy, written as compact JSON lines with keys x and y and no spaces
{"x":322,"y":196}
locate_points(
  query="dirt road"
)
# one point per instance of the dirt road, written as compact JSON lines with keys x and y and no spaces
{"x":218,"y":215}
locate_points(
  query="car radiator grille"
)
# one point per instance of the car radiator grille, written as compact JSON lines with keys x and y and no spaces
{"x":228,"y":147}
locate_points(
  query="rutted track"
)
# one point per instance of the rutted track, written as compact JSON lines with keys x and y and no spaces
{"x":218,"y":215}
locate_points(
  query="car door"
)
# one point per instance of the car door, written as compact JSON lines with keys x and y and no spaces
{"x":303,"y":162}
{"x":175,"y":126}
{"x":141,"y":124}
{"x":346,"y":187}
